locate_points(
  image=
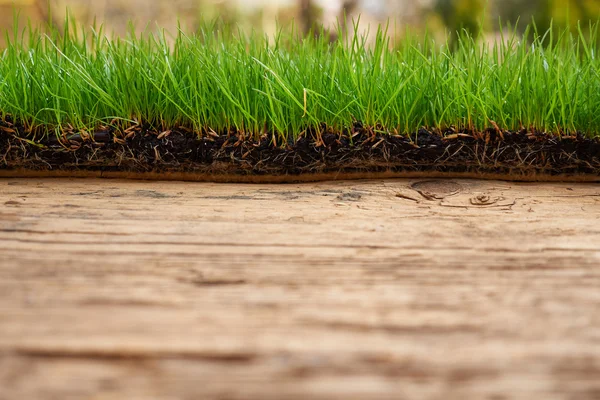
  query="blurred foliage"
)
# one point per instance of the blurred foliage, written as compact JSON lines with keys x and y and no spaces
{"x":475,"y":16}
{"x":459,"y":15}
{"x":558,"y":13}
{"x":435,"y":16}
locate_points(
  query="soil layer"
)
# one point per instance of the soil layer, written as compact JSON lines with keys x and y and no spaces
{"x":360,"y":150}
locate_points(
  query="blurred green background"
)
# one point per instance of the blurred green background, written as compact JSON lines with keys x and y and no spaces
{"x":435,"y":16}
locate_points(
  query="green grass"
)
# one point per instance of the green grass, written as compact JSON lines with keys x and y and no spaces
{"x":219,"y":79}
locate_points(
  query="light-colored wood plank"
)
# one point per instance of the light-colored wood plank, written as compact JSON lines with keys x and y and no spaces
{"x":357,"y":289}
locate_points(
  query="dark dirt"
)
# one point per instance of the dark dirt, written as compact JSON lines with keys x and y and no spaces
{"x":140,"y":149}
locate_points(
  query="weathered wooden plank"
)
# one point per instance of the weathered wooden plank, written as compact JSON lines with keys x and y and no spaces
{"x":363,"y":289}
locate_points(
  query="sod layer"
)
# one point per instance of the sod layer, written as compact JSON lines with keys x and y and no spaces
{"x":217,"y":102}
{"x":360,"y":149}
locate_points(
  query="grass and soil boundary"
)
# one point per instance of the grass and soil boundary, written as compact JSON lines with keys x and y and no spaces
{"x":217,"y":103}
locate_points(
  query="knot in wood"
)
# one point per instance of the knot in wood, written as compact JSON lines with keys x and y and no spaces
{"x":483,"y":200}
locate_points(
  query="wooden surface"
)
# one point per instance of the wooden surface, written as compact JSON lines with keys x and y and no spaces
{"x":364,"y":289}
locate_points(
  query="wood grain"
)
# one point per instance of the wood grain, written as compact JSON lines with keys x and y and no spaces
{"x":459,"y":289}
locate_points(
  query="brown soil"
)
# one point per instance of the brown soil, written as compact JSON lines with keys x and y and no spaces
{"x":141,"y":150}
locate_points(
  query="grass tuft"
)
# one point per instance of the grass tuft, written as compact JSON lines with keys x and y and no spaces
{"x":220,"y":79}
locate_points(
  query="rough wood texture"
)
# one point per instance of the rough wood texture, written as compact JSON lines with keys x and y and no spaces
{"x":367,"y":289}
